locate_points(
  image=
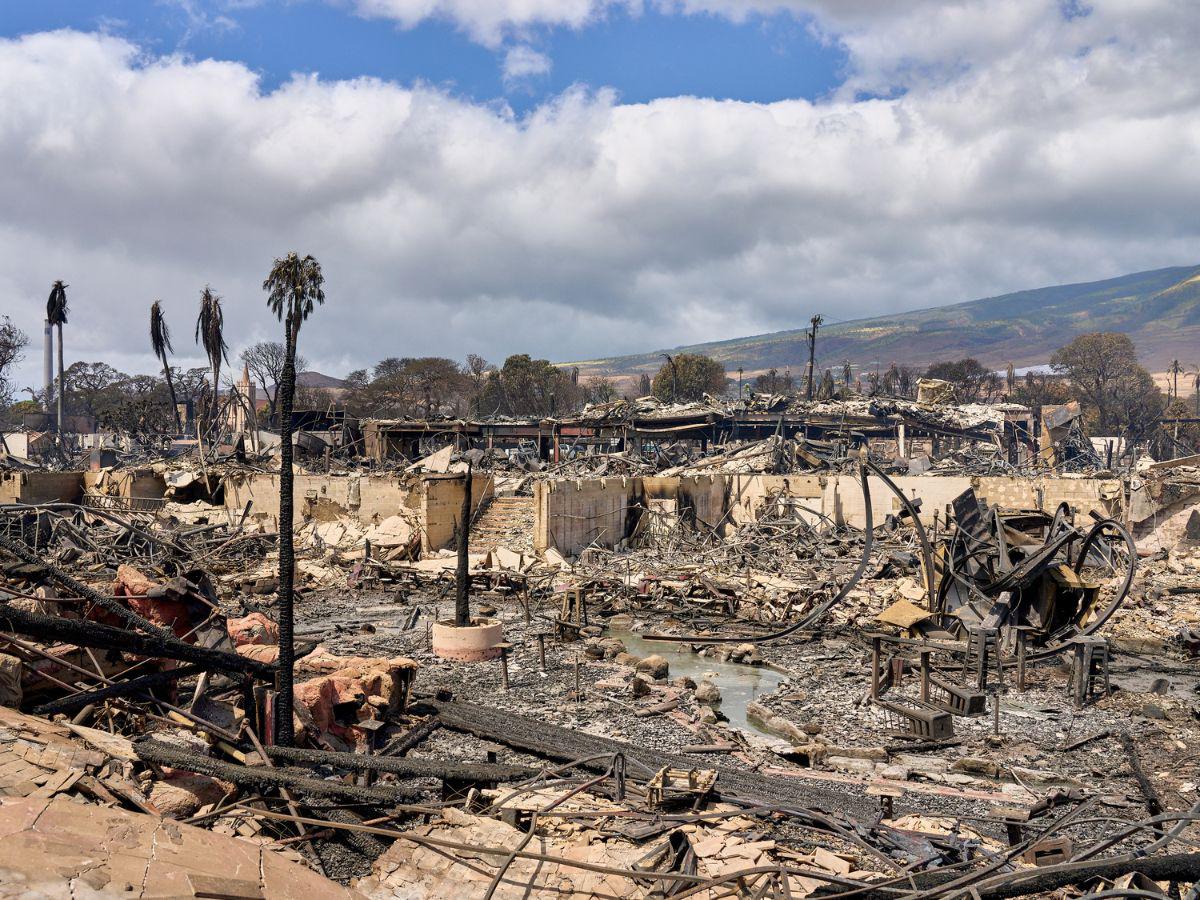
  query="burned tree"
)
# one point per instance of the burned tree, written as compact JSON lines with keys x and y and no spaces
{"x":210,"y":334}
{"x":56,"y":315}
{"x":294,"y":287}
{"x":160,"y":343}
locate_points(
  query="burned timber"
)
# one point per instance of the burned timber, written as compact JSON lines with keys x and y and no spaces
{"x":863,"y":648}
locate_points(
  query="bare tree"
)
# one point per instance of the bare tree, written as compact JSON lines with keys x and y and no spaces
{"x":160,"y":343}
{"x":56,"y":315}
{"x":294,"y":287}
{"x":13,"y":342}
{"x":265,"y":361}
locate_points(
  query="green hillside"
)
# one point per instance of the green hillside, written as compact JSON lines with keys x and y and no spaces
{"x":1160,"y":310}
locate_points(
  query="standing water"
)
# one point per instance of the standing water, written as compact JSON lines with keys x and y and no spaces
{"x":739,"y":684}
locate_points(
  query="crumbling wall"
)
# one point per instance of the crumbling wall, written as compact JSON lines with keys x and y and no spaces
{"x":441,"y":505}
{"x":704,"y":495}
{"x":748,"y":493}
{"x":571,"y":514}
{"x":141,"y":484}
{"x":369,"y":499}
{"x":41,"y":487}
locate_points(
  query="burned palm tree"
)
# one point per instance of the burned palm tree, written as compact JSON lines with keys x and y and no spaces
{"x":210,"y":334}
{"x":56,"y":315}
{"x":1173,"y":372}
{"x":294,"y":288}
{"x":160,"y":342}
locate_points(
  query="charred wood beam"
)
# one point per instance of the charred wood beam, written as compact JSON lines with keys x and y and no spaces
{"x":22,"y":552}
{"x":411,"y":738}
{"x":265,"y":778}
{"x":120,"y":689}
{"x":408,"y":768}
{"x":566,"y":745}
{"x":1179,"y":867}
{"x":83,"y":633}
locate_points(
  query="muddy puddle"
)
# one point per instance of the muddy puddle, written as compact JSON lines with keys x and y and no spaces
{"x":739,"y":684}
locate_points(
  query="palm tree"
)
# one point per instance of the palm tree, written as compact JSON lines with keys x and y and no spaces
{"x":1174,"y":371}
{"x":293,"y":288}
{"x":210,"y":334}
{"x":160,"y":343}
{"x":56,"y":315}
{"x":1196,"y":387}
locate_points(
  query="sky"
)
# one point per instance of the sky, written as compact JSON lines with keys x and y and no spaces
{"x":580,"y":178}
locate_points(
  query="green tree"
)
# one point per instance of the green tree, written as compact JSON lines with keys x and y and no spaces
{"x":1104,"y":374}
{"x":689,"y":376}
{"x":294,"y":288}
{"x":972,"y":381}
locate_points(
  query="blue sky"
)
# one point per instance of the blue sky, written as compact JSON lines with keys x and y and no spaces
{"x":643,"y":57}
{"x":917,"y":153}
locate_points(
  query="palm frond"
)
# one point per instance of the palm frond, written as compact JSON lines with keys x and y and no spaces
{"x":294,"y":287}
{"x":210,"y":327}
{"x":160,"y":334}
{"x":56,"y":304}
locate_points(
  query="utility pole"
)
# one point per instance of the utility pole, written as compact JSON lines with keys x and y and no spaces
{"x":674,"y":379}
{"x":811,"y":334}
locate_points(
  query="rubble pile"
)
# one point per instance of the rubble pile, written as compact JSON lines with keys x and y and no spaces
{"x":892,"y":695}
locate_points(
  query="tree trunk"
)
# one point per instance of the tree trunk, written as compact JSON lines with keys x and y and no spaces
{"x":214,"y":409}
{"x":61,"y":383}
{"x":462,"y":582}
{"x":287,"y":558}
{"x":174,"y":402}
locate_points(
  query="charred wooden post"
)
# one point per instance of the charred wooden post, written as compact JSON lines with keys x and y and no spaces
{"x":462,"y":575}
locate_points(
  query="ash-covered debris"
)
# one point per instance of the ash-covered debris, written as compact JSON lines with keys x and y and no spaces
{"x":869,"y":660}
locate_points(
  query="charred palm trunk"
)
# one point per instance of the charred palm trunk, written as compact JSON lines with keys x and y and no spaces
{"x":462,"y":582}
{"x":174,"y":402}
{"x":61,"y":385}
{"x":283,"y":700}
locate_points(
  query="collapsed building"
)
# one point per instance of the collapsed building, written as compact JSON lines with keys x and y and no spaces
{"x":771,"y":648}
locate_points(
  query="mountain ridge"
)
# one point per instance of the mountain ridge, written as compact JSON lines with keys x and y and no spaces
{"x":1159,"y":309}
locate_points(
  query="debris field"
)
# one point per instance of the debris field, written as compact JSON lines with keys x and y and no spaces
{"x":852,"y":649}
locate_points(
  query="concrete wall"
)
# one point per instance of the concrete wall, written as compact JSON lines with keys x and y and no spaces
{"x":571,"y":514}
{"x":40,"y":487}
{"x":370,"y":498}
{"x":144,"y":484}
{"x":705,"y":495}
{"x":433,"y":501}
{"x":441,"y":506}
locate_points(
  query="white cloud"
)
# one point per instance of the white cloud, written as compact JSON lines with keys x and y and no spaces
{"x":488,"y":21}
{"x":1065,"y":150}
{"x":522,"y":62}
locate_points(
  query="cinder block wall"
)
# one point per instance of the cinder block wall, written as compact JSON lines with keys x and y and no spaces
{"x":41,"y":487}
